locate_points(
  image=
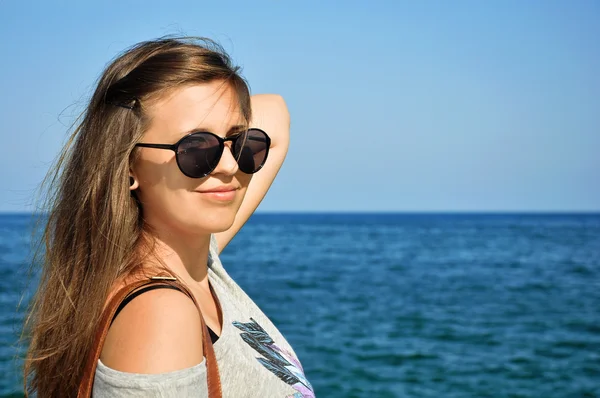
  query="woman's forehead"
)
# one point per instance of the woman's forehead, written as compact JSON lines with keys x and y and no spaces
{"x":211,"y":107}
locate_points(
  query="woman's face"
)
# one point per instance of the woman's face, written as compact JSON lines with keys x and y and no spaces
{"x":171,"y":201}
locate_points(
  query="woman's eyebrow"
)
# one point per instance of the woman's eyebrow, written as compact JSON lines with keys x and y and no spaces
{"x":232,"y":130}
{"x":236,"y":129}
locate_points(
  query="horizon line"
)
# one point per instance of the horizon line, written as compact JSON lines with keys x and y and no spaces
{"x":405,"y":212}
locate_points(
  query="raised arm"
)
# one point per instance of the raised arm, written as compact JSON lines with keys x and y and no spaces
{"x":270,"y":113}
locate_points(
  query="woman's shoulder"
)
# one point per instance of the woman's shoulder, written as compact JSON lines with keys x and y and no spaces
{"x":157,"y":331}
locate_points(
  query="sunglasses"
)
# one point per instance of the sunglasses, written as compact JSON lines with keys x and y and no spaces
{"x":199,"y":153}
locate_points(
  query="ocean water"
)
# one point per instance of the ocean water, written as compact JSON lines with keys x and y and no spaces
{"x":405,"y":305}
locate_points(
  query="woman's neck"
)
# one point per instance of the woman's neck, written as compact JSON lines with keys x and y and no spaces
{"x":187,"y":256}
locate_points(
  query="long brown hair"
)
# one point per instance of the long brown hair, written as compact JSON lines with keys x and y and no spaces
{"x":94,"y":232}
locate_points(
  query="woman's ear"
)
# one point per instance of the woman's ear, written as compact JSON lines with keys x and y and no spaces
{"x":133,"y":183}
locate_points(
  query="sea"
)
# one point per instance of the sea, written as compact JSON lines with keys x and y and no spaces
{"x":401,"y":305}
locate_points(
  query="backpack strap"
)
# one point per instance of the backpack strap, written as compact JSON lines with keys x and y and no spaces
{"x":213,"y":380}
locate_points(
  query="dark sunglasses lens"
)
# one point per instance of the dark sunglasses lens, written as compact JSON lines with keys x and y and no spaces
{"x":198,"y":155}
{"x":251,"y":150}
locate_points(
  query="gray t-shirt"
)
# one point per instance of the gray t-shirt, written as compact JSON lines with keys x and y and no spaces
{"x":254,"y":358}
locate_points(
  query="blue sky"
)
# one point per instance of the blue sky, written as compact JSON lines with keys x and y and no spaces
{"x":395,"y":106}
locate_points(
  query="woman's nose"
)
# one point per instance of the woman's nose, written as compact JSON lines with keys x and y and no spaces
{"x":227,"y":164}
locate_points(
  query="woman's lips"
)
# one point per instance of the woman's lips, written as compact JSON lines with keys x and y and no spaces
{"x":221,"y":196}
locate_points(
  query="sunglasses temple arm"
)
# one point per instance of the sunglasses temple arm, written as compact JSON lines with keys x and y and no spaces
{"x":158,"y":146}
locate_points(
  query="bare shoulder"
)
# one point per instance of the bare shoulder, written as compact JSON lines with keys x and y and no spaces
{"x":158,"y":331}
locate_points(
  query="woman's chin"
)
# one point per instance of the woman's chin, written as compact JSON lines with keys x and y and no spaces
{"x":210,"y":222}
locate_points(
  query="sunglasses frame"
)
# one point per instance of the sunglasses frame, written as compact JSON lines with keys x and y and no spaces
{"x":174,"y":147}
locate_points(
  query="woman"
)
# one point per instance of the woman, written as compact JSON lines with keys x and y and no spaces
{"x":171,"y":158}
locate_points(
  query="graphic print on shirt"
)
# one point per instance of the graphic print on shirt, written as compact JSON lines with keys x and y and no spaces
{"x":279,"y":361}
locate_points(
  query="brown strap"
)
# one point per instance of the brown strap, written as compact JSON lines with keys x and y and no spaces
{"x":213,"y":380}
